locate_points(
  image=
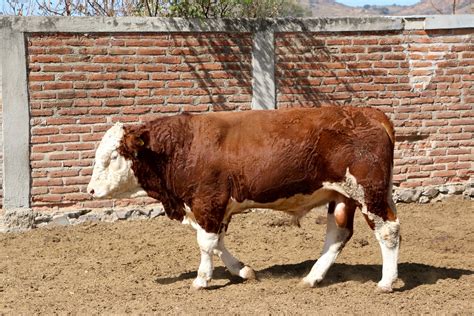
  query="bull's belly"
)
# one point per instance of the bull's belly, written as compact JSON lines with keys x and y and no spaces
{"x":294,"y":204}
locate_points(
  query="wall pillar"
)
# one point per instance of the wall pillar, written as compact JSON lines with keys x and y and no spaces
{"x":263,"y":65}
{"x":16,"y":121}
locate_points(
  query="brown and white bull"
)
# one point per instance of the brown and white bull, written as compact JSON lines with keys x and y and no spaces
{"x":206,"y":168}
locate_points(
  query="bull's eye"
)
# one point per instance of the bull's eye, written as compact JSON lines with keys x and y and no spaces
{"x":114,"y":155}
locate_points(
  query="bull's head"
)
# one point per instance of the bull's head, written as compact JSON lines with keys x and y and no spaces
{"x":112,"y":176}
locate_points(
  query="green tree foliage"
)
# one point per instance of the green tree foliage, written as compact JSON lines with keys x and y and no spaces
{"x":220,"y":8}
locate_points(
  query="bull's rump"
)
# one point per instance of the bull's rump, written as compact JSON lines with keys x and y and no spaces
{"x":267,"y":155}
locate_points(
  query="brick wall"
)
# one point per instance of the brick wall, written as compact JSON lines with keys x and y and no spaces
{"x":424,"y":80}
{"x":80,"y":84}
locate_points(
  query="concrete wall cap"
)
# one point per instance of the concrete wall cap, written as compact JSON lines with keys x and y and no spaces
{"x":39,"y":24}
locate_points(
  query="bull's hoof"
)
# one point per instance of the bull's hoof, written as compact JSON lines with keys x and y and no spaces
{"x":199,"y":284}
{"x":247,"y":273}
{"x":307,"y":284}
{"x":383,"y":289}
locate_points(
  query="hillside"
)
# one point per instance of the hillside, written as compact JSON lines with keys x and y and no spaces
{"x":424,"y":7}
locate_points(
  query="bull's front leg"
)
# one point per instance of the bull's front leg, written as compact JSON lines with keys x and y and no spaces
{"x":207,"y":242}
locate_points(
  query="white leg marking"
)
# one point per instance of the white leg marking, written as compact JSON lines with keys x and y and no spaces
{"x":208,"y":242}
{"x":234,"y":266}
{"x":333,"y":244}
{"x":388,"y":236}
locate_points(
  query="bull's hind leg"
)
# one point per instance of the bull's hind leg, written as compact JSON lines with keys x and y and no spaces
{"x":387,"y":232}
{"x":339,"y":230}
{"x":234,"y":266}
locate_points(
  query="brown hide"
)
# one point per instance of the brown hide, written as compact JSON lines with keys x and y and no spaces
{"x":204,"y":160}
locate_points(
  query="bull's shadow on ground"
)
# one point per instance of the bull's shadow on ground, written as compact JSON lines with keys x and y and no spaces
{"x":412,"y":274}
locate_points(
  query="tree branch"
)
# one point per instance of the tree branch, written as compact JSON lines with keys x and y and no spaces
{"x":432,"y":4}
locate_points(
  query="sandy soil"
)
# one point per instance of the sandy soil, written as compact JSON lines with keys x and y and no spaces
{"x":147,"y":267}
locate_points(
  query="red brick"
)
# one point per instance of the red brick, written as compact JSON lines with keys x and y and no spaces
{"x":120,"y":85}
{"x":104,"y":111}
{"x":41,"y":112}
{"x":150,"y":101}
{"x":87,"y":102}
{"x":60,"y":120}
{"x":166,"y":92}
{"x":169,"y":108}
{"x":63,"y":173}
{"x":46,"y":148}
{"x":446,"y":173}
{"x":151,"y":68}
{"x":44,"y":130}
{"x":88,"y":85}
{"x":72,"y":77}
{"x":92,"y":120}
{"x":56,"y":68}
{"x":63,"y":138}
{"x":87,"y":68}
{"x":102,"y":76}
{"x":72,"y":129}
{"x":167,"y":60}
{"x":122,"y":51}
{"x":118,"y":102}
{"x":150,"y":84}
{"x":63,"y":156}
{"x":47,"y":198}
{"x":139,"y":42}
{"x":104,"y":93}
{"x":151,"y":51}
{"x":46,"y":182}
{"x":410,"y":184}
{"x":45,"y":164}
{"x":93,"y":51}
{"x":39,"y":139}
{"x":71,"y":111}
{"x":80,"y":146}
{"x":43,"y":95}
{"x":180,"y":100}
{"x":71,"y":94}
{"x":77,"y":196}
{"x":338,"y":41}
{"x":466,"y":121}
{"x":63,"y":190}
{"x":76,"y":180}
{"x":117,"y":68}
{"x":195,"y":108}
{"x":40,"y":77}
{"x":133,"y":76}
{"x":107,"y":59}
{"x":461,"y":136}
{"x":45,"y":59}
{"x":135,"y":110}
{"x":126,"y":119}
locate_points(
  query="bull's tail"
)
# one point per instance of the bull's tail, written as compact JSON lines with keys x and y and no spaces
{"x":390,"y":130}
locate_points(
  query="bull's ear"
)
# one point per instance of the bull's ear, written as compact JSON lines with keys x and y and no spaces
{"x":136,"y":141}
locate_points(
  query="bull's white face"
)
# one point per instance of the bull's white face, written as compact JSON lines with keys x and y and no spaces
{"x":112,"y":176}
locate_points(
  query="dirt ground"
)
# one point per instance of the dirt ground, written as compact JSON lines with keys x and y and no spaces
{"x":146,"y":267}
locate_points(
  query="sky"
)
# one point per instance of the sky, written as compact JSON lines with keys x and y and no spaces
{"x":361,"y":3}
